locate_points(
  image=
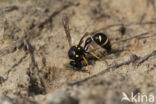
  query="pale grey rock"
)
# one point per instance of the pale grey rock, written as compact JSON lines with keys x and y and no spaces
{"x":5,"y":100}
{"x":60,"y":97}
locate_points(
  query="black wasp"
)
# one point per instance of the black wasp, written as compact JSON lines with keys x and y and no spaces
{"x":77,"y":53}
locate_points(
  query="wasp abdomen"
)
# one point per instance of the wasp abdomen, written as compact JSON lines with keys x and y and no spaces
{"x":102,"y":40}
{"x":107,"y":46}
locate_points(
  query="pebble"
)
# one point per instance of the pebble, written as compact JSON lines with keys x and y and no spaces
{"x":60,"y":97}
{"x":5,"y":100}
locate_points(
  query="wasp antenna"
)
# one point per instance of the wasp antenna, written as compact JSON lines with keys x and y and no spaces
{"x":81,"y":40}
{"x":65,"y":22}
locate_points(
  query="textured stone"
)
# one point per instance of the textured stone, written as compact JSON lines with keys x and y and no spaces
{"x":60,"y":97}
{"x":5,"y":100}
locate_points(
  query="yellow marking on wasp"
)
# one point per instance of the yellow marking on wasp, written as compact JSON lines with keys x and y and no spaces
{"x":105,"y":42}
{"x":72,"y":60}
{"x":100,"y":38}
{"x":77,"y":55}
{"x":74,"y":53}
{"x":79,"y":48}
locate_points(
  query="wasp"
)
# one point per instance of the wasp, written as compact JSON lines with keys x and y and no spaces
{"x":77,"y":53}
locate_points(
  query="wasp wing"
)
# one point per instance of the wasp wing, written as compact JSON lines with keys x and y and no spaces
{"x":65,"y":22}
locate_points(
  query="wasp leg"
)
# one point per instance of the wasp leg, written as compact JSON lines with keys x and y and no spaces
{"x":86,"y":63}
{"x":93,"y":48}
{"x":93,"y":54}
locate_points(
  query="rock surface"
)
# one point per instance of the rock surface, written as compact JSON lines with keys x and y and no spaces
{"x":34,"y":47}
{"x":5,"y":100}
{"x":60,"y":97}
